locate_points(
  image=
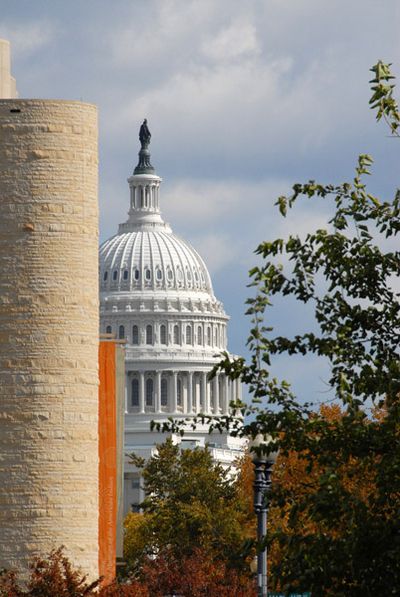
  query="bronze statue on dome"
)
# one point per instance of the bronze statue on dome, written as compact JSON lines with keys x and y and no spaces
{"x":144,"y":135}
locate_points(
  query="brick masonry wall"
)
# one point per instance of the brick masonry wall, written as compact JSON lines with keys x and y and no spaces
{"x":48,"y":331}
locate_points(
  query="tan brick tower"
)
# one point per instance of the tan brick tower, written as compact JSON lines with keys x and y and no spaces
{"x":48,"y":331}
{"x":8,"y":87}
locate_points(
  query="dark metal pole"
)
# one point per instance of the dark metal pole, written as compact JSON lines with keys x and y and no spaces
{"x":262,"y":485}
{"x":260,"y":508}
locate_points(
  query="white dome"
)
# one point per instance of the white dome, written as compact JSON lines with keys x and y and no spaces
{"x":151,"y":258}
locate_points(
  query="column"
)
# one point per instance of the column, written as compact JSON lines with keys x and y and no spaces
{"x":195,"y":395}
{"x":127,"y":385}
{"x":215,"y":381}
{"x":141,"y":392}
{"x":237,"y":389}
{"x":174,"y":391}
{"x":203,"y":392}
{"x":226,"y":395}
{"x":158,"y":392}
{"x":198,"y":393}
{"x":185,"y":392}
{"x":190,"y":392}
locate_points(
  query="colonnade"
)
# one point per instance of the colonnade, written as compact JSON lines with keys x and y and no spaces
{"x":145,"y":196}
{"x":176,"y":391}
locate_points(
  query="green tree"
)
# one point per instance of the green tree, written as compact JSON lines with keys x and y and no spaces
{"x":191,"y":502}
{"x":382,"y":99}
{"x":346,"y":275}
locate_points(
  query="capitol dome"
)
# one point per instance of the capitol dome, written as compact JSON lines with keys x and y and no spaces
{"x":152,"y":259}
{"x":156,"y":295}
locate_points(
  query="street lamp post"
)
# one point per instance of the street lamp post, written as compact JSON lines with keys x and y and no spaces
{"x":262,"y":468}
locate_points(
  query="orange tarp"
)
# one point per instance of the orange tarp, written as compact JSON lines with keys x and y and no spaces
{"x":107,"y":461}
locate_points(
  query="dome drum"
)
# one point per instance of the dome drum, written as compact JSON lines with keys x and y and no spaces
{"x":183,"y":305}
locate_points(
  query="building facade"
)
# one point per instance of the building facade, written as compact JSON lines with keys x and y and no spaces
{"x":156,"y":293}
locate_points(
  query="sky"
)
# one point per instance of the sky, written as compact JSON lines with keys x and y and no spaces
{"x":243,"y":99}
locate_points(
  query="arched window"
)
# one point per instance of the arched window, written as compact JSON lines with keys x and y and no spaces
{"x":179,"y":392}
{"x":176,"y":334}
{"x":209,"y":336}
{"x":163,"y":334}
{"x":188,"y":334}
{"x":135,"y":392}
{"x":105,"y":275}
{"x":199,"y":335}
{"x":121,"y":332}
{"x":115,"y":274}
{"x":149,"y":334}
{"x":159,"y":274}
{"x":136,"y":275}
{"x":147,"y":274}
{"x":170,"y":275}
{"x":164,"y":392}
{"x":126,"y":274}
{"x":149,"y":391}
{"x":108,"y":329}
{"x":135,"y":335}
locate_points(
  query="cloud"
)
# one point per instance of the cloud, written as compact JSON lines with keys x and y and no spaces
{"x":237,"y":40}
{"x":216,"y":250}
{"x":154,"y":36}
{"x":27,"y":38}
{"x":226,"y":220}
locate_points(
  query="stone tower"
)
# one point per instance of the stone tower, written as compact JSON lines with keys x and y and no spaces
{"x":48,"y":331}
{"x":7,"y":82}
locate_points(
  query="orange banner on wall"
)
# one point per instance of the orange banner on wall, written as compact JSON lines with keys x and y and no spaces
{"x":107,"y":461}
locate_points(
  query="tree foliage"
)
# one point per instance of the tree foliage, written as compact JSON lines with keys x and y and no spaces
{"x":49,"y":577}
{"x":320,"y":515}
{"x":382,"y":99}
{"x":192,"y":502}
{"x":341,"y":536}
{"x":195,"y":575}
{"x":352,"y":544}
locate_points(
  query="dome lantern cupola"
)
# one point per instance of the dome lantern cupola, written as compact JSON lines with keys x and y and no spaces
{"x":144,"y":187}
